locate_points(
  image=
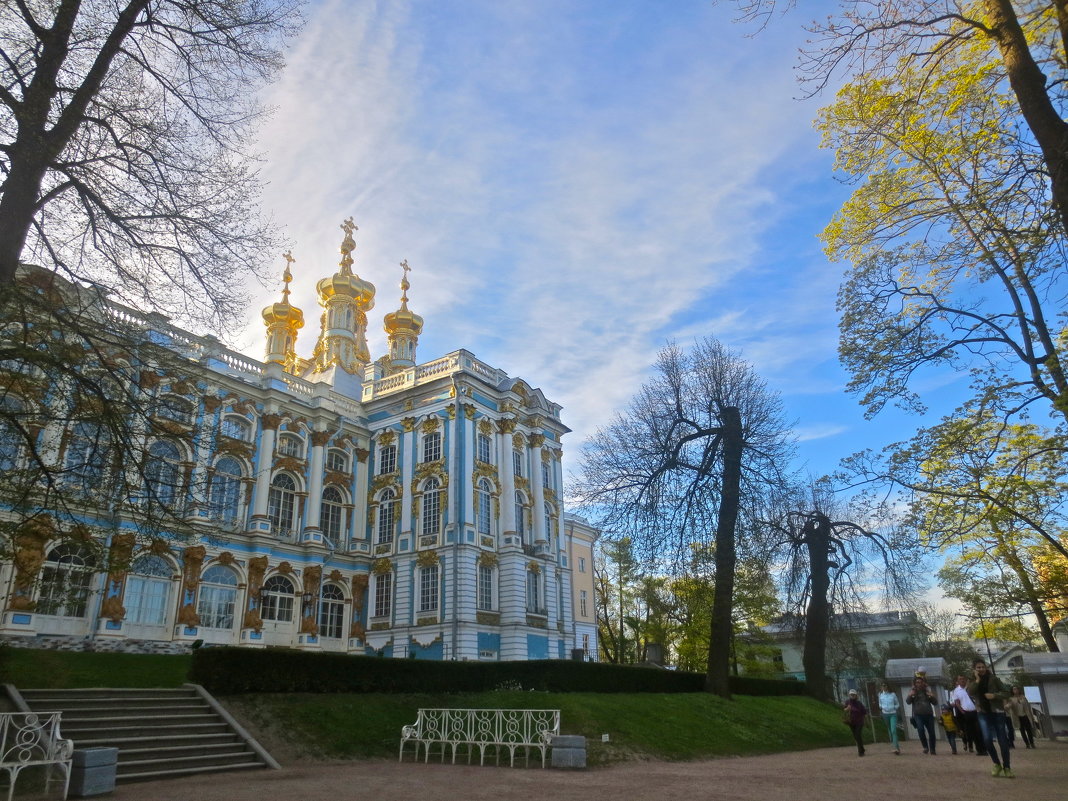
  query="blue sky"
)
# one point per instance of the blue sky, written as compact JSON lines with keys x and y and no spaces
{"x":573,"y":182}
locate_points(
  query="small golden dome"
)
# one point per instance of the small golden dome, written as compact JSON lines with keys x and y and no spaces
{"x":284,"y":312}
{"x":403,"y":321}
{"x":344,"y":282}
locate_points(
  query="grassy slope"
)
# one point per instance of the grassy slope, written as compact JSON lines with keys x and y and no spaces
{"x":660,"y":726}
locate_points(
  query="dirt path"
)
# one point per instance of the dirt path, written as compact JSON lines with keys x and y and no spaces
{"x":825,"y":775}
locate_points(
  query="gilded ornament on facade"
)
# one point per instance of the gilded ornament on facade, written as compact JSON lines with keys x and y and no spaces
{"x":387,"y":438}
{"x":484,"y":470}
{"x":357,"y":630}
{"x":408,"y":423}
{"x":187,"y":616}
{"x":291,"y":463}
{"x":469,"y":410}
{"x":247,"y":407}
{"x":359,"y":592}
{"x":192,"y":561}
{"x":486,"y":559}
{"x":428,"y":559}
{"x":451,"y":412}
{"x":320,"y":438}
{"x":285,"y":569}
{"x":382,"y":566}
{"x":537,"y":440}
{"x":309,"y":626}
{"x":379,"y":627}
{"x":252,"y":620}
{"x":112,"y":609}
{"x":431,"y":424}
{"x":211,"y":403}
{"x":311,"y":578}
{"x":30,"y":539}
{"x":335,"y":576}
{"x":148,"y":380}
{"x":488,"y":618}
{"x":183,"y":387}
{"x":257,"y":568}
{"x":533,"y":567}
{"x":361,"y":454}
{"x":485,"y":427}
{"x":425,"y":470}
{"x":270,"y":422}
{"x":506,"y":425}
{"x":519,"y":442}
{"x":119,"y":556}
{"x":226,"y":558}
{"x":159,"y":547}
{"x":428,"y":621}
{"x":337,"y":478}
{"x":522,"y":483}
{"x":409,"y":404}
{"x":537,"y":622}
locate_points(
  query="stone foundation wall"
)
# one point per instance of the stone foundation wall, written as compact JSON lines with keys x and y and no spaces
{"x":50,"y":642}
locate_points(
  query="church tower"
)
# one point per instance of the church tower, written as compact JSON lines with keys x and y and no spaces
{"x":346,"y":298}
{"x":283,"y":321}
{"x":403,"y":327}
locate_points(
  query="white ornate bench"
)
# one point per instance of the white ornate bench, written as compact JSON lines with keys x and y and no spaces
{"x":482,"y":729}
{"x":29,"y":739}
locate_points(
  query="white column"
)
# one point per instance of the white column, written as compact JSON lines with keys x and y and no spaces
{"x":264,"y":464}
{"x":536,"y":488}
{"x":315,"y":480}
{"x":506,"y":524}
{"x":454,"y":469}
{"x":360,"y":486}
{"x":468,"y":428}
{"x":407,"y":456}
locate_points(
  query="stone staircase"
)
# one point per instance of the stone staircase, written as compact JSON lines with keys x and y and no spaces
{"x":160,"y":734}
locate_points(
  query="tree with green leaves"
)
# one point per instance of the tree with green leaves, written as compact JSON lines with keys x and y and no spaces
{"x":698,"y":446}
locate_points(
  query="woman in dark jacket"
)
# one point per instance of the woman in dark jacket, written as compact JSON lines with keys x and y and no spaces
{"x":855,"y":713}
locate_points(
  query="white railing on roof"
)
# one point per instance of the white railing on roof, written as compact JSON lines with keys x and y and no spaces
{"x":456,"y":362}
{"x":298,"y":386}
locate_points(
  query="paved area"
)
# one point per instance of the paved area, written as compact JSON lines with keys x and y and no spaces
{"x":830,"y":774}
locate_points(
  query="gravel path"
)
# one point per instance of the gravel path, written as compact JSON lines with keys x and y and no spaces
{"x":827,"y":774}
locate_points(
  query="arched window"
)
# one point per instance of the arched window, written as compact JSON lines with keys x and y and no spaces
{"x":218,"y":594}
{"x":387,"y":516}
{"x":281,"y":502}
{"x":336,"y":459}
{"x":331,"y":513}
{"x":148,"y":590}
{"x":224,"y":496}
{"x":236,"y":428}
{"x":331,"y":612}
{"x":291,"y":445}
{"x":483,"y":506}
{"x":171,"y":407}
{"x":431,"y":506}
{"x":432,"y":446}
{"x":65,"y":580}
{"x":163,"y":473}
{"x":520,"y":516}
{"x":276,"y":600}
{"x":86,"y":458}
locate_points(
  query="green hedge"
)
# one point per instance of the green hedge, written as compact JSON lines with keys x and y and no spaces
{"x":245,"y":670}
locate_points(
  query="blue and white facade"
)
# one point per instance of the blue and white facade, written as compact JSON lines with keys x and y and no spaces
{"x":330,"y":503}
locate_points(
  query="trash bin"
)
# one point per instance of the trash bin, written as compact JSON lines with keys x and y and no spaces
{"x":93,"y":771}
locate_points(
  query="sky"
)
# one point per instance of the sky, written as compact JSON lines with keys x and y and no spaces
{"x":574,"y":183}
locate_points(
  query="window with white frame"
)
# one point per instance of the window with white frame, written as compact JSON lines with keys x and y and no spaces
{"x":534,"y":593}
{"x":224,"y":490}
{"x":428,"y":589}
{"x":217,"y":598}
{"x":65,"y":579}
{"x":332,"y":513}
{"x":582,"y":564}
{"x":387,"y":459}
{"x":337,"y":459}
{"x":432,"y":446}
{"x":520,"y":516}
{"x":383,"y":594}
{"x":546,"y":475}
{"x":291,"y":445}
{"x":148,"y":590}
{"x":387,"y":516}
{"x":485,"y":587}
{"x":485,"y":449}
{"x":171,"y":407}
{"x":517,"y":463}
{"x":582,"y":603}
{"x":281,"y":503}
{"x":586,"y":643}
{"x":86,"y":458}
{"x":484,"y":506}
{"x":236,"y":427}
{"x":277,"y":600}
{"x":550,"y":521}
{"x":331,"y":612}
{"x":11,"y":433}
{"x":431,"y":507}
{"x":163,"y":474}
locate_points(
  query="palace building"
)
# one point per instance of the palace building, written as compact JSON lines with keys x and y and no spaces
{"x":335,"y":502}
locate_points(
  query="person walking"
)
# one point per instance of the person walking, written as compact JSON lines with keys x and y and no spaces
{"x":1019,"y":709}
{"x":855,"y":712}
{"x":989,"y":694}
{"x":889,"y":706}
{"x":923,"y":705}
{"x":962,"y":702}
{"x":949,"y":725}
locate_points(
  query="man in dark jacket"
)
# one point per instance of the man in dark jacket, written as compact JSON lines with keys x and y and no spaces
{"x":989,"y":694}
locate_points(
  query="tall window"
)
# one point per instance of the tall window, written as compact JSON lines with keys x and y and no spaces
{"x":291,"y":445}
{"x":10,"y":437}
{"x":428,"y":589}
{"x":387,"y":459}
{"x":387,"y":514}
{"x":218,"y":593}
{"x":546,"y":476}
{"x":170,"y":407}
{"x":86,"y":456}
{"x":331,"y":513}
{"x":224,"y":494}
{"x":147,"y":591}
{"x":337,"y":460}
{"x":520,"y":517}
{"x":549,"y":520}
{"x":485,"y":451}
{"x":331,"y":612}
{"x":484,"y":507}
{"x":432,"y":446}
{"x":162,"y":473}
{"x":582,"y":602}
{"x":276,"y":599}
{"x":281,"y":503}
{"x":236,"y":428}
{"x":582,"y":564}
{"x":65,"y":580}
{"x":534,"y":593}
{"x":431,"y":507}
{"x":383,"y":594}
{"x":485,"y":587}
{"x":517,"y":463}
{"x":586,"y":643}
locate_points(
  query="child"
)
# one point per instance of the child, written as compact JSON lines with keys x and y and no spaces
{"x":950,"y":725}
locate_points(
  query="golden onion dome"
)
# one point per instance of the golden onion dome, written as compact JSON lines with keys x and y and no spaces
{"x":284,"y":312}
{"x":403,"y":321}
{"x":344,"y":282}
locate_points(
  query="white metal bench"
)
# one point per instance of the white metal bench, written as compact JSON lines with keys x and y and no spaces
{"x":482,"y":729}
{"x":29,"y":739}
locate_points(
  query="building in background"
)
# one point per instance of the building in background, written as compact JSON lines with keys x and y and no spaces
{"x":333,"y":502}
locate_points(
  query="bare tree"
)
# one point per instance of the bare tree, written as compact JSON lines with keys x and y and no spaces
{"x":699,"y":444}
{"x":828,"y":561}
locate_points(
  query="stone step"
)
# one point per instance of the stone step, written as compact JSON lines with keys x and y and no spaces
{"x":155,"y":775}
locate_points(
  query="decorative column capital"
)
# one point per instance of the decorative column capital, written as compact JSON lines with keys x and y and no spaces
{"x":320,"y":438}
{"x":270,"y":422}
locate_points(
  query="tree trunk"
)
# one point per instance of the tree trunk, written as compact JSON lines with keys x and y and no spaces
{"x":719,"y":642}
{"x":818,"y":614}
